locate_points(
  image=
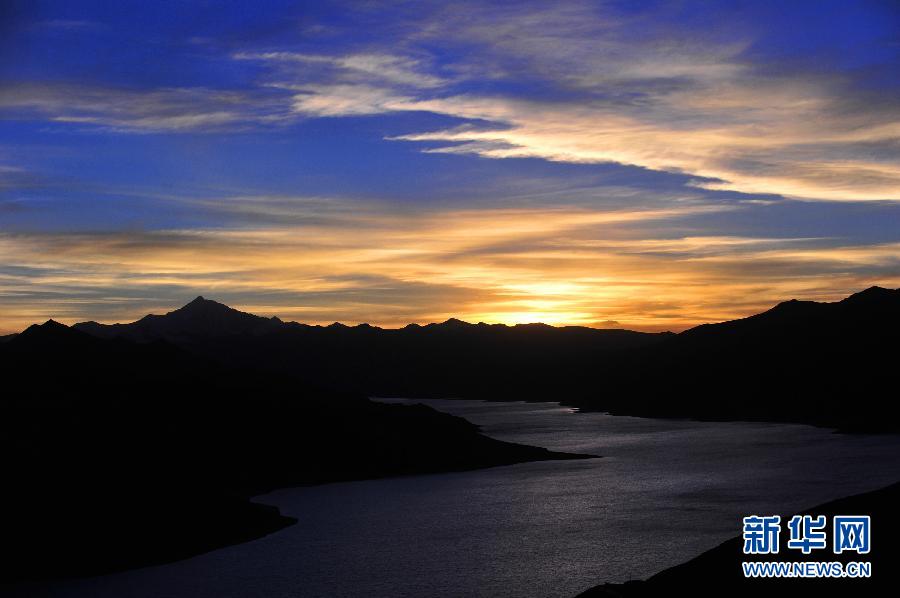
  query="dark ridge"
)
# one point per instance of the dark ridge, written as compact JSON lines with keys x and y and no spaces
{"x":49,"y":327}
{"x":50,"y":333}
{"x":718,"y":572}
{"x":449,"y":324}
{"x":873,"y":295}
{"x":454,"y":322}
{"x":246,"y":404}
{"x":800,"y":361}
{"x":827,"y":364}
{"x":117,"y":454}
{"x":448,"y":359}
{"x":199,"y":318}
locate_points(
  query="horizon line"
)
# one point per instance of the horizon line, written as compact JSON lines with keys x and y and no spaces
{"x":451,"y":319}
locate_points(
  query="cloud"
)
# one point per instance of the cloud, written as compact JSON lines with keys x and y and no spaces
{"x":584,"y":84}
{"x":339,"y":259}
{"x":169,"y":110}
{"x":745,"y":144}
{"x":698,"y":112}
{"x":577,"y":82}
{"x":345,"y":100}
{"x":358,"y":68}
{"x":348,"y":85}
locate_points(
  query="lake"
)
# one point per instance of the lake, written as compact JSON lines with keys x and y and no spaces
{"x":663,"y":491}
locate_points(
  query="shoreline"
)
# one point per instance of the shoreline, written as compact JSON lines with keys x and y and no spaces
{"x":158,"y":528}
{"x":717,"y":572}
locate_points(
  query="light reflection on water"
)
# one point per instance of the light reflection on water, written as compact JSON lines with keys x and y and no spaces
{"x":663,"y":492}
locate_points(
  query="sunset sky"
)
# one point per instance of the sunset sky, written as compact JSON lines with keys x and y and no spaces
{"x":648,"y":165}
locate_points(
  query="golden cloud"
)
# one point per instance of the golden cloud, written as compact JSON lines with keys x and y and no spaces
{"x":560,"y":265}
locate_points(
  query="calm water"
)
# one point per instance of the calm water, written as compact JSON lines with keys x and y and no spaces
{"x":663,"y":492}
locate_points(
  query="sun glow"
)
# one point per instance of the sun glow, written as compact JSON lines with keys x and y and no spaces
{"x":558,"y":266}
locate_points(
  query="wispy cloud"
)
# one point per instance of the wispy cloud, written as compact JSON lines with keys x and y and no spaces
{"x":659,"y":99}
{"x":358,"y":68}
{"x":693,"y":124}
{"x":367,"y":262}
{"x":574,"y":82}
{"x":137,"y":110}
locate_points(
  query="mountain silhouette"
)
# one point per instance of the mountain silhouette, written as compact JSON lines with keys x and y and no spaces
{"x":447,"y":359}
{"x":130,"y":444}
{"x":801,"y":361}
{"x":873,"y":307}
{"x":116,"y":454}
{"x":828,"y":364}
{"x":199,"y":318}
{"x":51,"y":335}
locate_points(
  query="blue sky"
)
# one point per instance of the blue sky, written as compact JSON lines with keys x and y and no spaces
{"x":642,"y":164}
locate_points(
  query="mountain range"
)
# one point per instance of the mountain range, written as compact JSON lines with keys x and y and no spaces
{"x":116,"y":454}
{"x":828,"y":364}
{"x":129,"y":444}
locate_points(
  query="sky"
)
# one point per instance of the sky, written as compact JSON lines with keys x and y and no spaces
{"x":645,"y":165}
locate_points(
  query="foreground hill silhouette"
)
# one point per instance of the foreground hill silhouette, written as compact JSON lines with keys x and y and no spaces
{"x":718,"y":572}
{"x":117,"y":454}
{"x":827,"y":364}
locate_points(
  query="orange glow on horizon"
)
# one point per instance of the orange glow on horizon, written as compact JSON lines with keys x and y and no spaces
{"x":559,"y":266}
